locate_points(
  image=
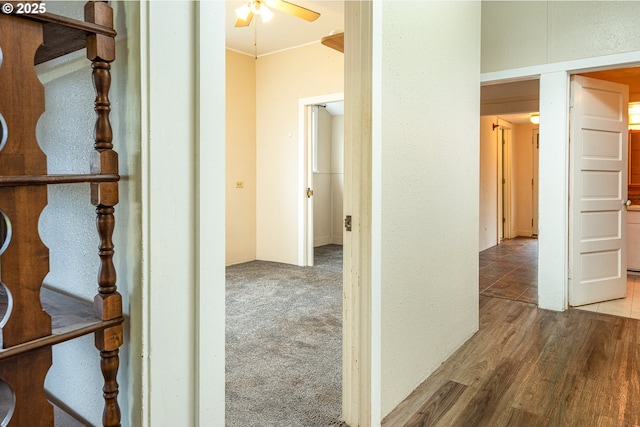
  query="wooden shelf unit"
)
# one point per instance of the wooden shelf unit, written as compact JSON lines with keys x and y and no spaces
{"x":42,"y":317}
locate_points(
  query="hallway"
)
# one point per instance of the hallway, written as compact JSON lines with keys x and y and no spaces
{"x":510,"y":270}
{"x":532,"y":367}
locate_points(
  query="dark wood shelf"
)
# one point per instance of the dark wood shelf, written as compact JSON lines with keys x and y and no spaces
{"x":62,"y":35}
{"x":70,"y":318}
{"x":37,"y":324}
{"x":18,"y":180}
{"x":64,"y":419}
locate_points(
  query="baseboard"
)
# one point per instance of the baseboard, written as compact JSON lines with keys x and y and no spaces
{"x":321,"y":241}
{"x":523,"y":233}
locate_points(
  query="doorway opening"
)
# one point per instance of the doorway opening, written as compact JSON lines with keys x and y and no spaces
{"x":508,"y":191}
{"x":321,"y":201}
{"x":629,"y":305}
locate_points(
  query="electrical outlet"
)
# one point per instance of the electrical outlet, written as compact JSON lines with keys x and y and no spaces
{"x":239,"y":184}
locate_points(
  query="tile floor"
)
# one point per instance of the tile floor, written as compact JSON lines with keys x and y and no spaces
{"x":510,"y":270}
{"x":625,"y":307}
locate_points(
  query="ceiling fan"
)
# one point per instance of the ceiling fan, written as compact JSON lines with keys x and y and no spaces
{"x":246,"y":12}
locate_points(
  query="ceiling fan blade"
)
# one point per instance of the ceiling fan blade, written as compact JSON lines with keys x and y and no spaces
{"x":244,"y":22}
{"x":293,"y":9}
{"x":334,"y":41}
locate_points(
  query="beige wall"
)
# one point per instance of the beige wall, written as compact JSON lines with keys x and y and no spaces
{"x":522,"y":175}
{"x":282,"y":79}
{"x":240,"y":158}
{"x":428,"y":188}
{"x":525,"y":33}
{"x":488,"y":183}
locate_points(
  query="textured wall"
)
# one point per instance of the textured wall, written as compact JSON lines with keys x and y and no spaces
{"x":524,"y":33}
{"x":430,"y":108}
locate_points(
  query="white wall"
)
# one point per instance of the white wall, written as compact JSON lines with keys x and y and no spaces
{"x":281,"y":80}
{"x":67,"y":224}
{"x":524,"y":33}
{"x":429,"y":188}
{"x":183,"y":100}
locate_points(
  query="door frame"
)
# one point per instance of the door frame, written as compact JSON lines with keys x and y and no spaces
{"x":554,"y":164}
{"x":535,"y":144}
{"x":305,"y":175}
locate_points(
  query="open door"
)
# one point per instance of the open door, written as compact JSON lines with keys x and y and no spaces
{"x":598,"y":191}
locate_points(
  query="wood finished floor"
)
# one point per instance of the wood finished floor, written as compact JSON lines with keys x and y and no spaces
{"x":510,"y":270}
{"x":532,"y":367}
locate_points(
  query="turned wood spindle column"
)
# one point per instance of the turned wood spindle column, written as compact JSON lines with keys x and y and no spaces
{"x":104,"y":195}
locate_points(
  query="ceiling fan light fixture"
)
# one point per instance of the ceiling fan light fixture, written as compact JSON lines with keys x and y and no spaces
{"x":265,"y":12}
{"x":243,"y":11}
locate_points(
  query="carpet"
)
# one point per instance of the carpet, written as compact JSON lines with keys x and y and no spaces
{"x":284,"y":343}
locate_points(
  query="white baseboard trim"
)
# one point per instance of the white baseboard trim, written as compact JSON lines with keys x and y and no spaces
{"x":321,"y":241}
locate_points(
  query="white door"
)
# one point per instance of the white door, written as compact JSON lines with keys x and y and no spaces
{"x":311,"y":130}
{"x":598,"y":145}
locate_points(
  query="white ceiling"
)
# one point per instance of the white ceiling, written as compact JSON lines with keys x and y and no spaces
{"x":283,"y":31}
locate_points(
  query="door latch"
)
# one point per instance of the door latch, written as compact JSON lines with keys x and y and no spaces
{"x":309,"y":192}
{"x":347,"y":223}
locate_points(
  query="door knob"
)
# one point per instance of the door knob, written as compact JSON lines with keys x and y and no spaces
{"x":627,"y":202}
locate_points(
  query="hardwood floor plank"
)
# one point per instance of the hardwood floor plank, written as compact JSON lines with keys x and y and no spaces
{"x":520,"y":418}
{"x":483,"y":406}
{"x":532,"y":367}
{"x":438,"y":405}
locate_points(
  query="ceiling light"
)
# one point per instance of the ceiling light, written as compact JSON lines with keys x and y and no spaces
{"x":265,"y":12}
{"x":535,"y":118}
{"x":257,"y":7}
{"x":634,"y":115}
{"x":243,"y":11}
